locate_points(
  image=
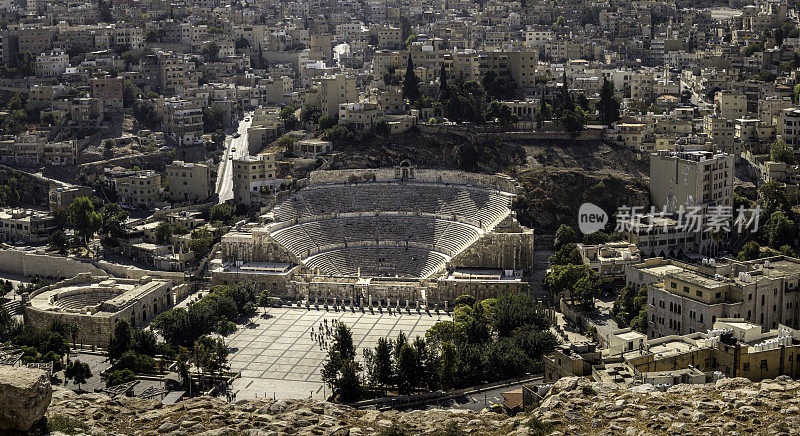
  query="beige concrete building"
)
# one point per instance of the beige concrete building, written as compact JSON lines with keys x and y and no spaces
{"x":685,"y":298}
{"x":732,"y":347}
{"x":25,"y":226}
{"x":251,"y":174}
{"x":609,"y":260}
{"x":63,"y":197}
{"x":193,"y":182}
{"x":699,"y":178}
{"x":182,"y":120}
{"x":52,"y":64}
{"x":140,"y":189}
{"x":266,"y":127}
{"x":361,"y":116}
{"x":520,"y":66}
{"x":730,"y":105}
{"x":790,"y":131}
{"x":331,"y":91}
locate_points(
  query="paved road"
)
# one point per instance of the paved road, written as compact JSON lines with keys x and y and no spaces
{"x":235,"y":148}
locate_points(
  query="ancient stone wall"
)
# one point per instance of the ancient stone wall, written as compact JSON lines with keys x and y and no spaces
{"x":45,"y":265}
{"x":449,"y":290}
{"x":498,"y":250}
{"x":498,"y":182}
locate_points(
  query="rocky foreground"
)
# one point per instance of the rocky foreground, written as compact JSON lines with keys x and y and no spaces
{"x":575,"y":406}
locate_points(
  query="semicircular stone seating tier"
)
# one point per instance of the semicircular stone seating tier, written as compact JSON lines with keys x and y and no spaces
{"x":400,"y":244}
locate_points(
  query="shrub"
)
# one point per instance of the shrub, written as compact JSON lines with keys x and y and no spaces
{"x":120,"y":377}
{"x":66,"y":424}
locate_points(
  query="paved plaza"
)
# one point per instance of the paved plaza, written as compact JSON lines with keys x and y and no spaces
{"x":278,"y":357}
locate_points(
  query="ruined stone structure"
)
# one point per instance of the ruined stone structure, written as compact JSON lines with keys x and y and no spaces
{"x":391,"y":234}
{"x":95,"y":303}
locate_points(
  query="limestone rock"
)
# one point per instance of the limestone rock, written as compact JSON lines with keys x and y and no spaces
{"x":24,"y":397}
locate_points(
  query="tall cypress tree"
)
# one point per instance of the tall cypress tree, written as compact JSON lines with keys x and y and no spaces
{"x":444,"y":89}
{"x":608,"y":104}
{"x":411,"y":82}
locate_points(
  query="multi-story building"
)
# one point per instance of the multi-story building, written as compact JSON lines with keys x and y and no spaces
{"x":333,"y":91}
{"x":189,"y":181}
{"x":730,"y":105}
{"x":52,"y":64}
{"x":609,"y":260}
{"x":520,"y":66}
{"x":63,"y":197}
{"x":267,"y":126}
{"x":732,"y":347}
{"x":25,"y":226}
{"x":86,"y":111}
{"x":33,"y":148}
{"x":721,"y":131}
{"x":175,"y":74}
{"x":684,"y":298}
{"x":34,"y":39}
{"x":109,"y":91}
{"x":251,"y":174}
{"x":140,"y":189}
{"x":790,"y":133}
{"x":697,"y":178}
{"x":359,"y":115}
{"x":182,"y":121}
{"x":128,"y":36}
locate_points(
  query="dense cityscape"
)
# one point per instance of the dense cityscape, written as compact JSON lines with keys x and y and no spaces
{"x":395,"y":217}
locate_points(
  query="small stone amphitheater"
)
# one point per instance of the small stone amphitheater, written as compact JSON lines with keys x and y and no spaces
{"x":402,"y":228}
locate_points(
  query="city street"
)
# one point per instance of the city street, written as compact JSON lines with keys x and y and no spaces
{"x":235,"y":148}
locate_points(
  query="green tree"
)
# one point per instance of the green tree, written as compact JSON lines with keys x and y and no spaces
{"x":120,"y":377}
{"x":514,"y":310}
{"x":575,"y":282}
{"x":781,"y":230}
{"x":163,"y":233}
{"x":78,"y":372}
{"x":411,"y":82}
{"x":114,"y":218}
{"x":58,"y":241}
{"x":211,"y":52}
{"x":340,"y":371}
{"x":449,"y":366}
{"x":84,"y":219}
{"x":780,"y":152}
{"x":120,"y":340}
{"x":201,"y":242}
{"x":628,"y":306}
{"x":382,"y":365}
{"x":608,"y":104}
{"x":568,"y":254}
{"x":444,"y":88}
{"x":213,"y":119}
{"x":786,"y":250}
{"x":750,"y":251}
{"x":407,"y":369}
{"x":144,"y":342}
{"x":564,"y":235}
{"x":500,"y":113}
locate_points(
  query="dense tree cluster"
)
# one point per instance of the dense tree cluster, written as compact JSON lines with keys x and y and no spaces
{"x":182,"y":327}
{"x":630,"y":308}
{"x":487,"y":340}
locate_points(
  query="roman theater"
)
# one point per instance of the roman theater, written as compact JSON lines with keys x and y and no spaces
{"x":95,"y":303}
{"x":400,"y":236}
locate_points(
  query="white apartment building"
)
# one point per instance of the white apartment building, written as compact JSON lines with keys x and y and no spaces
{"x":52,"y":64}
